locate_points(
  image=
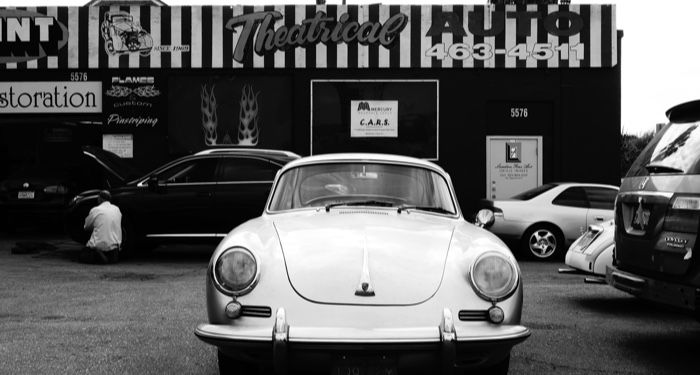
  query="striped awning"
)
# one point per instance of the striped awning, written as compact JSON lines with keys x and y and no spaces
{"x":309,"y":36}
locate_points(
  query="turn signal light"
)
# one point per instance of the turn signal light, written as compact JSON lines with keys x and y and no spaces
{"x":233,"y":310}
{"x":496,"y":315}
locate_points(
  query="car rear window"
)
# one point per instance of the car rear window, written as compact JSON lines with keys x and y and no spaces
{"x":529,"y":194}
{"x":601,"y":198}
{"x":674,"y":150}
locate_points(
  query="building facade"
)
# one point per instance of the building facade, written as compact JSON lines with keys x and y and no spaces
{"x":504,"y":97}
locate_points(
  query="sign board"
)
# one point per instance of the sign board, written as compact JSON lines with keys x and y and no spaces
{"x":51,"y":97}
{"x":379,"y":116}
{"x":514,"y":165}
{"x":374,"y":118}
{"x":121,"y":145}
{"x":311,"y":36}
{"x":132,"y":101}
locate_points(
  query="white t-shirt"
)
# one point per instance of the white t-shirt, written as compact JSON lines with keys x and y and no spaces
{"x":105,"y":220}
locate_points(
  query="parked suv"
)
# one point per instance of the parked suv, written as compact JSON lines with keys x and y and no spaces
{"x":200,"y":196}
{"x":657,"y":216}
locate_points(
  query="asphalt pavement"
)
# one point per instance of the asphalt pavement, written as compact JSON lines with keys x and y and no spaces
{"x":58,"y":316}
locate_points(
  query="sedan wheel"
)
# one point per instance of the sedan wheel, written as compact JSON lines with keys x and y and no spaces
{"x":542,"y":242}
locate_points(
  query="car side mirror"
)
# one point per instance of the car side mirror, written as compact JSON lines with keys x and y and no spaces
{"x":154,"y":184}
{"x":485,"y":218}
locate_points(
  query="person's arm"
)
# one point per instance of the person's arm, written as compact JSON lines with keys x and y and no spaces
{"x":90,"y":220}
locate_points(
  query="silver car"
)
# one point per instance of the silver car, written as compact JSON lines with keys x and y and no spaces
{"x":363,"y":264}
{"x":541,"y":223}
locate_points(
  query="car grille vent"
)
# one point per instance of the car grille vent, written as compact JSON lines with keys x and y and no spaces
{"x":473,"y":315}
{"x":373,"y":212}
{"x":257,"y":311}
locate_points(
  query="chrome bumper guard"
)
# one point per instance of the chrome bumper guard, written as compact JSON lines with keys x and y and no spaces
{"x":449,"y":337}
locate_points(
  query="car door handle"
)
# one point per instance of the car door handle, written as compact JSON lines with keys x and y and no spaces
{"x":204,"y":194}
{"x":599,"y":218}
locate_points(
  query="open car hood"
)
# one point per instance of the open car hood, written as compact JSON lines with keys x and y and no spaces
{"x":329,"y":254}
{"x":115,"y":166}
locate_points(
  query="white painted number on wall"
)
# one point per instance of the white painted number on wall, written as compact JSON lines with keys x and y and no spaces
{"x":78,"y":76}
{"x":485,"y":51}
{"x":518,"y":112}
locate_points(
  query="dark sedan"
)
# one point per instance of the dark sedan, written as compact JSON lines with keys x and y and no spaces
{"x":201,"y":196}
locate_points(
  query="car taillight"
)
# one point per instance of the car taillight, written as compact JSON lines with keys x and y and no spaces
{"x":686,"y":203}
{"x":683,"y":215}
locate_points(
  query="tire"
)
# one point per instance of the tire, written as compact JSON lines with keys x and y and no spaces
{"x":500,"y":368}
{"x":542,"y":242}
{"x":109,"y":47}
{"x":130,"y":238}
{"x":228,"y":365}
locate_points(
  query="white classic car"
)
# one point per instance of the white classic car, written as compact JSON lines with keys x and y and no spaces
{"x":543,"y":221}
{"x":363,"y":264}
{"x":593,"y":251}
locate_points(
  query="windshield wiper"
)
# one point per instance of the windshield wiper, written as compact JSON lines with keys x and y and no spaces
{"x":658,"y":168}
{"x":360,"y":203}
{"x":425,"y":208}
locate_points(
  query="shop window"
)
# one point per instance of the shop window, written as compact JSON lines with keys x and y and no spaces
{"x":384,"y":116}
{"x":209,"y":111}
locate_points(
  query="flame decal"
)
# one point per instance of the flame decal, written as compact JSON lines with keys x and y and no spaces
{"x":209,"y":120}
{"x":248,"y":117}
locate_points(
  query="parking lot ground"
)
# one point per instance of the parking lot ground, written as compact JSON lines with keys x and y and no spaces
{"x":138,"y":317}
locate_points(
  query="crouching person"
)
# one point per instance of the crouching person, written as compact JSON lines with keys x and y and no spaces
{"x":105,"y":222}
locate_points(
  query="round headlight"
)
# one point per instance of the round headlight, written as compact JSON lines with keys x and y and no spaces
{"x":494,"y":277}
{"x":236,"y":271}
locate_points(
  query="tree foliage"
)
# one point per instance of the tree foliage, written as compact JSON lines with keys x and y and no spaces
{"x":630,"y":147}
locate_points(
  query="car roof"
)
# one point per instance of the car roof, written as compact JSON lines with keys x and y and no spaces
{"x":591,"y":184}
{"x":277,"y":155}
{"x":363,"y":157}
{"x":280,"y":156}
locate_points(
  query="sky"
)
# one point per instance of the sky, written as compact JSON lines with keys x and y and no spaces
{"x":660,"y":56}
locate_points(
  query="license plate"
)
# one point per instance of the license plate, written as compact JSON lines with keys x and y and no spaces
{"x":25,"y":195}
{"x":362,"y":366}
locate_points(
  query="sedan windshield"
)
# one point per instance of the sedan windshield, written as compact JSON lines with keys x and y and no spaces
{"x":362,"y":184}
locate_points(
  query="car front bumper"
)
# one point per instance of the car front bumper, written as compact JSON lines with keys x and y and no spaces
{"x":667,"y":293}
{"x":414,"y":349}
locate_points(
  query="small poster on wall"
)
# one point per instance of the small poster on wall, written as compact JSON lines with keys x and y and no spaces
{"x":120,"y":144}
{"x":366,"y":116}
{"x":374,"y":118}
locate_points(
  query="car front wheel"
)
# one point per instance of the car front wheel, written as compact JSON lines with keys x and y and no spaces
{"x":228,"y":365}
{"x":542,"y":242}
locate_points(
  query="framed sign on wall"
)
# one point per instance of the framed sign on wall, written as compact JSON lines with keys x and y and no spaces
{"x":383,"y":116}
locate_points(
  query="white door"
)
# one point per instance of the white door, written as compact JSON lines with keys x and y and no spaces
{"x":514,"y":164}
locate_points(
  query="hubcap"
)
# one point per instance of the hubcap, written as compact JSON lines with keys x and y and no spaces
{"x":543,"y":243}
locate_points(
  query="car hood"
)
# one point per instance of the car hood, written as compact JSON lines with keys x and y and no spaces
{"x":112,"y":164}
{"x":404,"y":262}
{"x":34,"y":178}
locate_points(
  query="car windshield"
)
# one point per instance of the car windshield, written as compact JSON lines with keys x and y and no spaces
{"x":675,"y":150}
{"x":529,"y":194}
{"x":371,"y":184}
